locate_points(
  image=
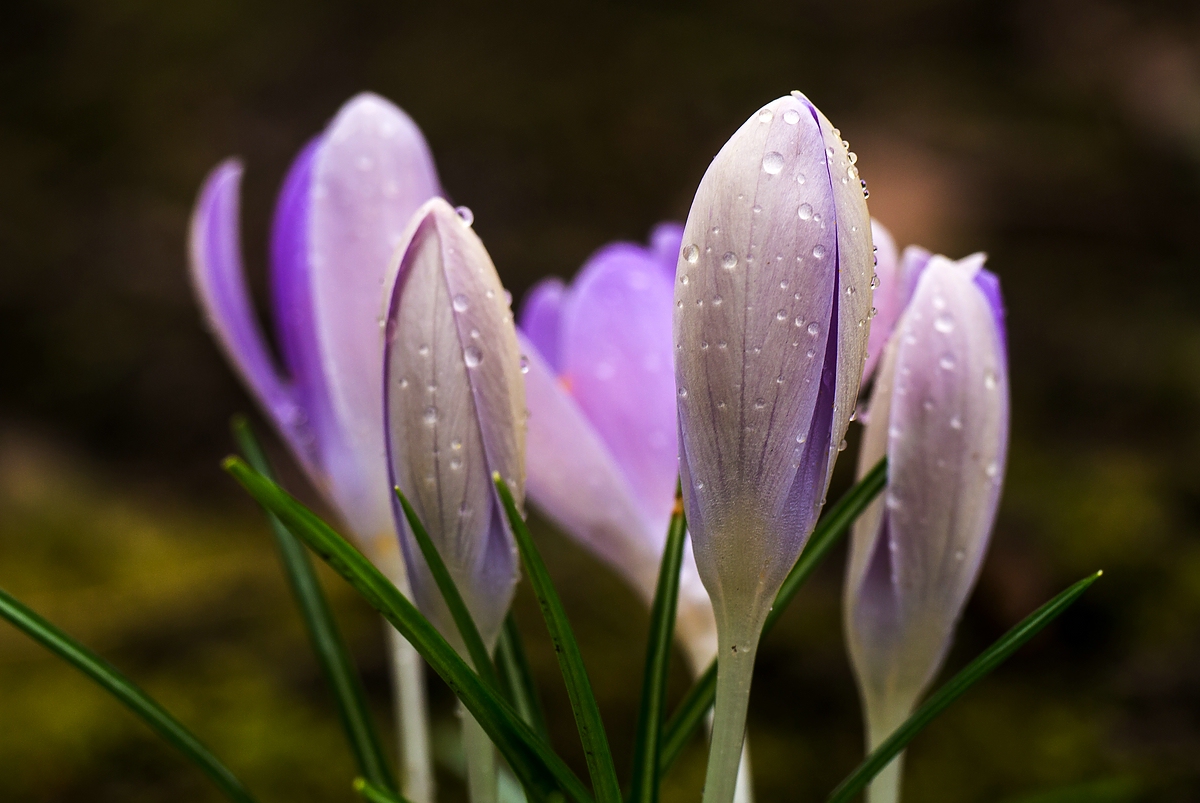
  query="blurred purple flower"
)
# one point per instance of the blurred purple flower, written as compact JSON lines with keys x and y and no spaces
{"x":940,"y":414}
{"x":603,"y":457}
{"x":455,"y":406}
{"x":340,"y":215}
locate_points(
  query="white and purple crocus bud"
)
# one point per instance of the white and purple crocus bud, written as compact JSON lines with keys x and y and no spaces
{"x":600,"y":387}
{"x":773,"y":298}
{"x":939,"y":413}
{"x":341,"y":214}
{"x":455,"y":415}
{"x":455,"y":405}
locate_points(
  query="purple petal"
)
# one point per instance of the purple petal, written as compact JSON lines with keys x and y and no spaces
{"x":665,"y":242}
{"x":616,"y":359}
{"x":369,"y":176}
{"x":541,"y":319}
{"x":220,"y":284}
{"x":454,"y":410}
{"x":989,"y":285}
{"x":941,"y":414}
{"x":886,"y":297}
{"x":774,"y":236}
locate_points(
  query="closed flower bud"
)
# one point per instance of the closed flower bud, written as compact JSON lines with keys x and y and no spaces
{"x":455,"y":405}
{"x":940,"y":414}
{"x":773,"y":300}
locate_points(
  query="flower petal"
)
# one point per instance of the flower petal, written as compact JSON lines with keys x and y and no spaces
{"x":665,"y":241}
{"x":220,"y":283}
{"x":776,"y":259}
{"x":941,"y":415}
{"x":455,"y":409}
{"x":369,"y":176}
{"x":885,"y":298}
{"x":616,"y":360}
{"x":541,"y":319}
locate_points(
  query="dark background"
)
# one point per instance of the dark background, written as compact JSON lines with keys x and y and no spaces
{"x":1062,"y":137}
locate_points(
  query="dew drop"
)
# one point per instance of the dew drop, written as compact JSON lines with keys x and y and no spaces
{"x":989,"y":380}
{"x":756,"y":209}
{"x":955,"y":423}
{"x":947,"y":362}
{"x":524,"y":364}
{"x":430,"y":417}
{"x":722,"y":345}
{"x":691,"y":253}
{"x":875,"y":281}
{"x":704,"y":345}
{"x":781,"y":315}
{"x":806,"y":211}
{"x":465,"y":215}
{"x":683,"y":393}
{"x":801,"y":438}
{"x":766,"y":115}
{"x":944,"y":324}
{"x":423,"y":350}
{"x":729,"y":260}
{"x":772,"y":162}
{"x":472,"y":357}
{"x":813,"y":328}
{"x":842,"y":445}
{"x":460,"y":303}
{"x":800,"y":178}
{"x":684,"y":279}
{"x":852,"y":171}
{"x":456,"y":463}
{"x":818,"y":251}
{"x":717,"y":301}
{"x":992,"y":470}
{"x":791,"y":116}
{"x":456,"y":444}
{"x":759,"y":404}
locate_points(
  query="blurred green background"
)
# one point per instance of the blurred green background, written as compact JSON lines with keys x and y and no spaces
{"x":1061,"y":136}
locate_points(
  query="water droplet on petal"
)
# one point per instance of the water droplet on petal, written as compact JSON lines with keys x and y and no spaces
{"x":759,"y":404}
{"x":791,"y":116}
{"x":989,"y":380}
{"x":465,"y":215}
{"x":842,"y":445}
{"x":813,"y":328}
{"x":460,"y":303}
{"x":430,"y":417}
{"x":772,"y":162}
{"x":683,"y":279}
{"x":944,"y":324}
{"x":765,"y":116}
{"x":955,"y":423}
{"x":423,"y":350}
{"x":456,"y":463}
{"x":472,"y":356}
{"x":947,"y":362}
{"x":806,"y":211}
{"x":691,"y":253}
{"x":781,"y":315}
{"x":729,"y":260}
{"x":818,"y":251}
{"x":992,"y":470}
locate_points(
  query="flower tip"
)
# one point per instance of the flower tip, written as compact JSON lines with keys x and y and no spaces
{"x":359,"y":784}
{"x":231,"y":462}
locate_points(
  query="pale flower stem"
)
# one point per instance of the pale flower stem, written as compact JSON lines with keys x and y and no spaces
{"x":744,"y":792}
{"x":481,"y":761}
{"x":735,"y":668}
{"x":886,"y":786}
{"x":412,"y":719}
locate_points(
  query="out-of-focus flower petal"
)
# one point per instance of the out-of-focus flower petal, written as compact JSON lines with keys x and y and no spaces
{"x":220,"y":283}
{"x":772,"y":302}
{"x":541,"y":319}
{"x":665,"y":242}
{"x":577,"y":484}
{"x":886,"y":300}
{"x":455,"y":414}
{"x":616,"y":359}
{"x":369,"y":176}
{"x":941,"y":415}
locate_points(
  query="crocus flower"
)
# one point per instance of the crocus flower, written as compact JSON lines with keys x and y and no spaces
{"x":772,"y":301}
{"x":940,"y":414}
{"x":341,"y":213}
{"x":600,"y":387}
{"x":455,"y":413}
{"x":455,"y":405}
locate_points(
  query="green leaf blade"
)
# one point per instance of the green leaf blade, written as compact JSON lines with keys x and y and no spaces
{"x":690,"y":713}
{"x":648,"y":738}
{"x":536,"y":765}
{"x":323,"y":632}
{"x":476,"y":649}
{"x":120,"y":687}
{"x":579,"y":689}
{"x":518,"y":678}
{"x":975,"y":671}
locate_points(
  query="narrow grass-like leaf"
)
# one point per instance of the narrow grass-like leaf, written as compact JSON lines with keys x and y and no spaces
{"x":323,"y":632}
{"x":374,"y":793}
{"x":833,"y":525}
{"x":975,"y":671}
{"x":518,"y":678}
{"x":570,"y":661}
{"x":535,"y":764}
{"x":454,"y":601}
{"x":645,"y":784}
{"x":119,"y":686}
